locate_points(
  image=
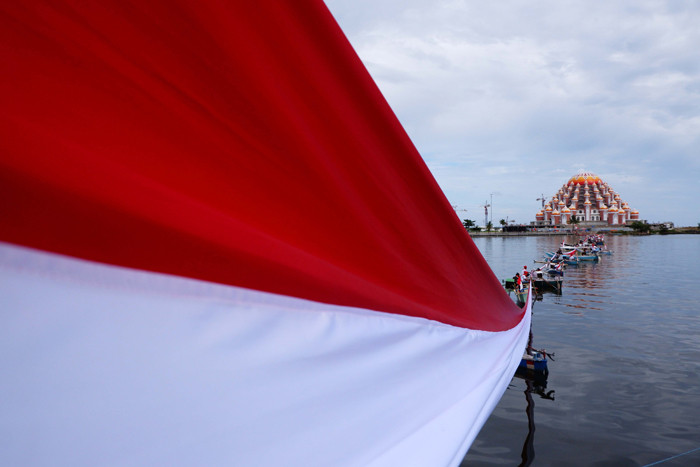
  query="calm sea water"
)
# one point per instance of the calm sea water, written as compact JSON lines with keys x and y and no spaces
{"x":624,"y":386}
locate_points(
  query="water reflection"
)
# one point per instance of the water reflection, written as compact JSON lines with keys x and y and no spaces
{"x":627,"y":359}
{"x":535,"y":381}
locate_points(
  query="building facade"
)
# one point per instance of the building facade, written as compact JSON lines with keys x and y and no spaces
{"x":588,"y":199}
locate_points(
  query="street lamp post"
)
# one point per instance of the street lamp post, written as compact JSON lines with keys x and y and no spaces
{"x":491,"y":203}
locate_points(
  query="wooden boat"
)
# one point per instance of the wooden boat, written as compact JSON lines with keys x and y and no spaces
{"x":554,"y":271}
{"x":566,"y":259}
{"x":597,"y":248}
{"x":573,"y":259}
{"x":534,"y":361}
{"x":520,"y":296}
{"x":587,"y":257}
{"x":542,"y":284}
{"x":546,"y":282}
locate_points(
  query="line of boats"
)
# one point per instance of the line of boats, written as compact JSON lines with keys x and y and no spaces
{"x":548,"y":278}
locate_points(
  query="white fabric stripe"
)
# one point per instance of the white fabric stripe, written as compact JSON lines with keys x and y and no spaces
{"x":107,"y":366}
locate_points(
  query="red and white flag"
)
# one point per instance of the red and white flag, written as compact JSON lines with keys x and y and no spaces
{"x":218,"y":246}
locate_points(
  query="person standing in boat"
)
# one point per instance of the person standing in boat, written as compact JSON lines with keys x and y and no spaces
{"x":518,"y":281}
{"x":557,"y":255}
{"x":525,"y":272}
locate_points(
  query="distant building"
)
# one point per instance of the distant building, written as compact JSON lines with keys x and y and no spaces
{"x":590,"y":200}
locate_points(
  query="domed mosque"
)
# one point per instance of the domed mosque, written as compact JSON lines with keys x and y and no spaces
{"x":590,"y":200}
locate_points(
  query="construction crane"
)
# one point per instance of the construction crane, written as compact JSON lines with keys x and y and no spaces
{"x":543,"y":199}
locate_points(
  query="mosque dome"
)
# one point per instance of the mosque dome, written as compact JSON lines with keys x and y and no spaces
{"x":584,"y":178}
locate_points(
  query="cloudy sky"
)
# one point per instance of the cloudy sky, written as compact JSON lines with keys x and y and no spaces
{"x":514,"y":97}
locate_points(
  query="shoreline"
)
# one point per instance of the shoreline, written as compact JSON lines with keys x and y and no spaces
{"x":679,"y":231}
{"x":519,"y":234}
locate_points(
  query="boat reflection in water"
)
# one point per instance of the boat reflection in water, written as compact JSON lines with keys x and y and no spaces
{"x":535,"y":382}
{"x":535,"y":375}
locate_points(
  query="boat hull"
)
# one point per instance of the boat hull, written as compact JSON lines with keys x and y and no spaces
{"x":535,"y":362}
{"x":542,"y":285}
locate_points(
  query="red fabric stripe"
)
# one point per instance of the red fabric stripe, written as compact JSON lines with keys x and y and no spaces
{"x":242,"y":143}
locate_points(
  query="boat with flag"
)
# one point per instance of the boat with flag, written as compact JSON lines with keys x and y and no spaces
{"x":553,"y":269}
{"x":571,"y":257}
{"x":591,"y":245}
{"x":542,"y":283}
{"x":546,"y":278}
{"x":213,"y":239}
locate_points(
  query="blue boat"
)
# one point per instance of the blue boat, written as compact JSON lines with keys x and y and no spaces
{"x":575,"y":259}
{"x":534,"y":361}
